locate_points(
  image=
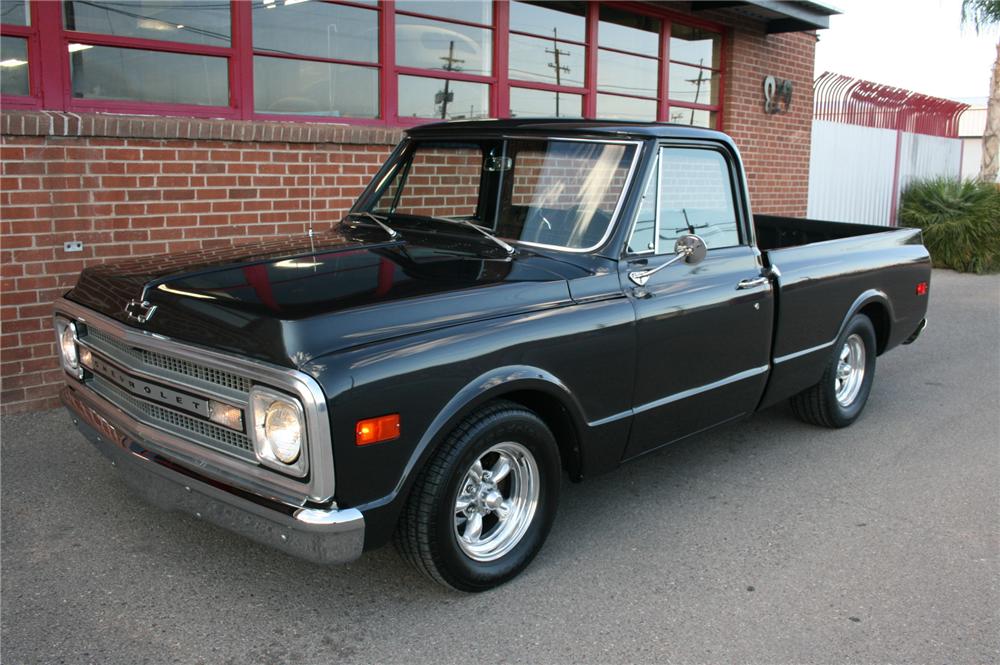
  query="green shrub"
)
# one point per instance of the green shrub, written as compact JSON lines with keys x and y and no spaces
{"x":960,"y":221}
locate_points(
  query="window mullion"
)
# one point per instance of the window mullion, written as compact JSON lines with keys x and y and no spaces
{"x":663,"y":108}
{"x":590,"y":71}
{"x":241,"y":68}
{"x":501,"y":45}
{"x":389,"y":96}
{"x":53,"y":58}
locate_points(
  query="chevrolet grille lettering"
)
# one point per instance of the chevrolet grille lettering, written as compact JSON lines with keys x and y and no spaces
{"x":151,"y":391}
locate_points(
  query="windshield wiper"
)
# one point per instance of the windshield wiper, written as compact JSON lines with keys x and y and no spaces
{"x":393,"y":233}
{"x":509,"y":249}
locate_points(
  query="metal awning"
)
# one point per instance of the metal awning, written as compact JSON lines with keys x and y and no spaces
{"x":777,"y":15}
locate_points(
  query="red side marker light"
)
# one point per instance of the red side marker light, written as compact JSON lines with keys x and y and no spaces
{"x":374,"y":430}
{"x":922,"y":288}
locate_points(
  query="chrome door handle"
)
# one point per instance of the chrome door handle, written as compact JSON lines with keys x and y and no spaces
{"x":752,"y":283}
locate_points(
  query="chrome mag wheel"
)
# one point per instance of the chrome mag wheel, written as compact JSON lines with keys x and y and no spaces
{"x":850,"y":370}
{"x":496,"y":501}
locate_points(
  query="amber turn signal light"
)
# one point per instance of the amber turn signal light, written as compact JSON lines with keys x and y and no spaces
{"x":373,"y":430}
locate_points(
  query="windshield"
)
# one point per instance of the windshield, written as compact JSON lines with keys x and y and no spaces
{"x":557,"y":193}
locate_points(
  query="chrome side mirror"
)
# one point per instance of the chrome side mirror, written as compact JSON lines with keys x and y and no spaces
{"x":691,"y":248}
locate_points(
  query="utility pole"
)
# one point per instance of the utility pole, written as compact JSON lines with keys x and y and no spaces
{"x":698,"y":83}
{"x":556,"y":53}
{"x":450,"y":65}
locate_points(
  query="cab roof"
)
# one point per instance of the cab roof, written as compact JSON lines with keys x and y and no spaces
{"x":568,"y":127}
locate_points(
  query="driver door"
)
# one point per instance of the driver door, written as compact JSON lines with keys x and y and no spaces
{"x":703,"y":331}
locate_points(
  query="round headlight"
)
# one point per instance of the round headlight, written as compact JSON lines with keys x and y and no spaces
{"x":283,"y":431}
{"x":67,"y":345}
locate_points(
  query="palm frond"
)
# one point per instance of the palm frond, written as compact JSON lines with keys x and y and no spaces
{"x":960,"y":221}
{"x":981,"y":13}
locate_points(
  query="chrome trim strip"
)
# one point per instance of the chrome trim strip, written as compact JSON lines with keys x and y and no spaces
{"x":804,"y":352}
{"x":684,"y":394}
{"x":319,"y":486}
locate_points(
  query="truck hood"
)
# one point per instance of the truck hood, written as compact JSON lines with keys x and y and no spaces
{"x":289,"y":301}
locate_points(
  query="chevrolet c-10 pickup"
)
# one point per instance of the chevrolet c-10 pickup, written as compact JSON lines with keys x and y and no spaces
{"x":506,"y":302}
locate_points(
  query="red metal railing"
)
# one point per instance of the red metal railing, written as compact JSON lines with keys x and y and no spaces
{"x":840,"y":98}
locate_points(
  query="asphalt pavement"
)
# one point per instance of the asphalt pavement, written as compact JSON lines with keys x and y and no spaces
{"x":768,"y":541}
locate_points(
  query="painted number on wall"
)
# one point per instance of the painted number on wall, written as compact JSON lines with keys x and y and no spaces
{"x":777,"y":95}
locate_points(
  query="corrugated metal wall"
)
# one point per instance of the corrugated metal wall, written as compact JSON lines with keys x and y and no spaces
{"x":922,"y":157}
{"x":851,"y":172}
{"x":853,"y":168}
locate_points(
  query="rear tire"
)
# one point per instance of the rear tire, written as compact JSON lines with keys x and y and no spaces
{"x":841,"y":394}
{"x":483,"y":505}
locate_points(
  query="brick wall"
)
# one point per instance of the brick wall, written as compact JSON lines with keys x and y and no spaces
{"x":129,"y":187}
{"x":775,"y":147}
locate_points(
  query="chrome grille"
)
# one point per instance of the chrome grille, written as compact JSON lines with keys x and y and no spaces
{"x":200,"y":430}
{"x":178,"y":366}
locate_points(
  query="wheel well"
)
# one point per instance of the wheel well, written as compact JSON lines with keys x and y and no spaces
{"x":558,"y":419}
{"x":879,"y":316}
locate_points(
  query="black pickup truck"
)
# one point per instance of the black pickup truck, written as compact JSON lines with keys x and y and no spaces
{"x":507,"y":301}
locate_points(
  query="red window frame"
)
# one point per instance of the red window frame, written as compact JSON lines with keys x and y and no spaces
{"x":30,"y":34}
{"x":51,"y":87}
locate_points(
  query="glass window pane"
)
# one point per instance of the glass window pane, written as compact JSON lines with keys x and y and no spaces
{"x":695,"y":45}
{"x":544,"y":104}
{"x":435,"y":45}
{"x":15,"y":12}
{"x":626,"y":108}
{"x":693,"y":84}
{"x":104,"y":72}
{"x":533,"y":59}
{"x":629,"y":32}
{"x":317,"y":29}
{"x":281,"y":85}
{"x":564,"y":19}
{"x":629,"y":74}
{"x":474,"y":11}
{"x":563,"y":193}
{"x":421,"y":97}
{"x":442,"y":181}
{"x":205,"y":23}
{"x":645,"y":220}
{"x":702,"y":205}
{"x":694,"y":117}
{"x":14,"y":66}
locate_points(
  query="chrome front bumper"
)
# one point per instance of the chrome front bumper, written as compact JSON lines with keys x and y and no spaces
{"x":314,"y":534}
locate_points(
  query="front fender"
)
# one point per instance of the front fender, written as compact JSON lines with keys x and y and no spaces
{"x":576,"y":362}
{"x":492,"y":385}
{"x":383,"y":513}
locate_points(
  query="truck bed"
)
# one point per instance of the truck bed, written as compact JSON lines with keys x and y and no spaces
{"x":780,"y":232}
{"x":827,"y":269}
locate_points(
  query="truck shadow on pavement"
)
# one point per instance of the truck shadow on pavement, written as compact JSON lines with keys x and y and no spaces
{"x":617,"y":515}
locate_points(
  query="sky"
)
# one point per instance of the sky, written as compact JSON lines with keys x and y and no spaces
{"x":920,"y":45}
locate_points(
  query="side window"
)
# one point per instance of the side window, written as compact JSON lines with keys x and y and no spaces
{"x":696,"y":196}
{"x":644,"y":230}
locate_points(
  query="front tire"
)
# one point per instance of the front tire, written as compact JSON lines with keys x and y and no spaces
{"x":482,"y":507}
{"x":841,"y":394}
